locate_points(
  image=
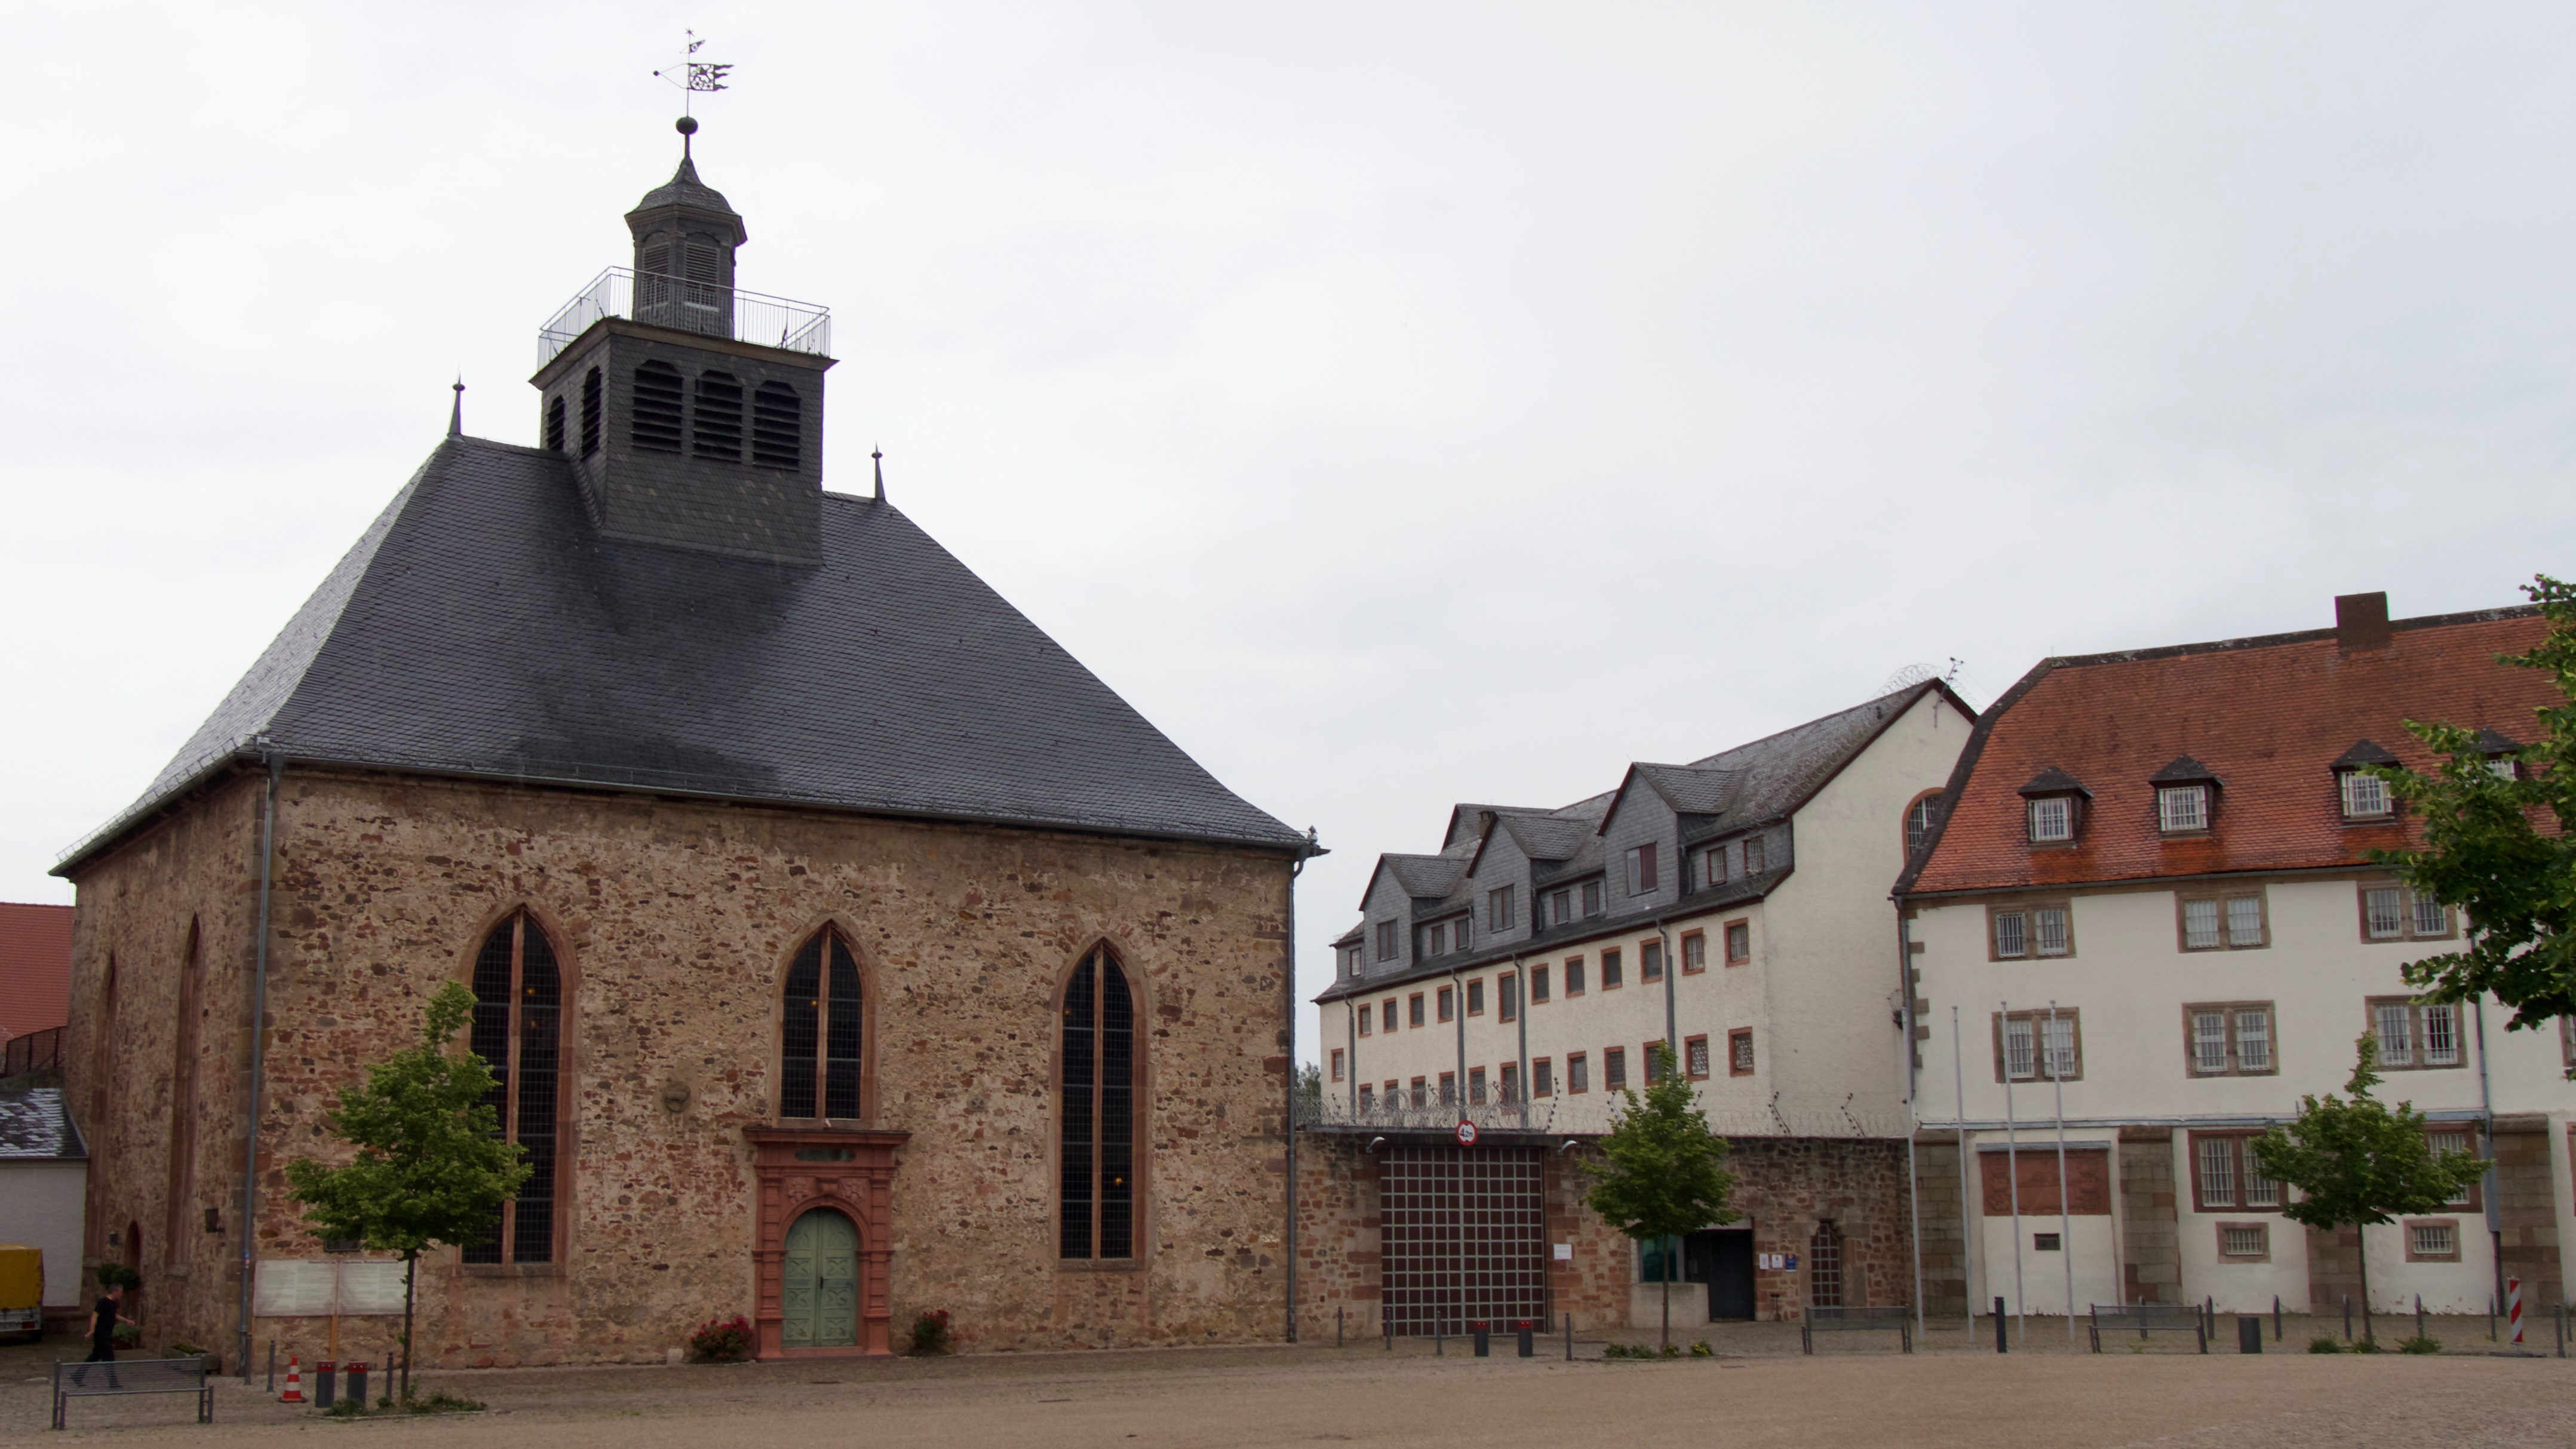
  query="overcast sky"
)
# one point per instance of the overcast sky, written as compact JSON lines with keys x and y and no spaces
{"x":1399,"y":403}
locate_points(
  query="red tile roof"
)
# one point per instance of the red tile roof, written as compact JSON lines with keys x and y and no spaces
{"x":2268,"y":717}
{"x":35,"y":967}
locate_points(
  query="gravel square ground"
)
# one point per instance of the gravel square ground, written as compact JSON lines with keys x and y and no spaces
{"x":1758,"y":1391}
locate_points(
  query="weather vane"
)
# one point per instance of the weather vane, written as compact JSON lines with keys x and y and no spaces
{"x":692,"y":75}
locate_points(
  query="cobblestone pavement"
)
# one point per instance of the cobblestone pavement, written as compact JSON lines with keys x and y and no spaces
{"x":1757,"y":1392}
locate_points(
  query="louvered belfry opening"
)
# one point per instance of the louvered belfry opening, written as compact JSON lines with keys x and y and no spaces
{"x":590,"y":401}
{"x":822,"y":1033}
{"x":518,"y":1006}
{"x":715,"y":428}
{"x":657,"y":407}
{"x":777,"y":427}
{"x":1096,"y":1171}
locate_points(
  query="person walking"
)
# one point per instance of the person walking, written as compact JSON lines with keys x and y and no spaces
{"x":103,"y":1319}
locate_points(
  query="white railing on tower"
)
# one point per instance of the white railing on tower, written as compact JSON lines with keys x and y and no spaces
{"x":688,"y":306}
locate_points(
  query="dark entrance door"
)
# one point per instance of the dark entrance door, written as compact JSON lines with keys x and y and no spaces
{"x":1722,"y":1258}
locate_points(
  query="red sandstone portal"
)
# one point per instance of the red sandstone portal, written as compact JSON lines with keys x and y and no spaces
{"x":845,"y":1169}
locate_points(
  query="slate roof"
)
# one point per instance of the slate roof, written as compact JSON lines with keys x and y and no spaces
{"x":35,"y":967}
{"x":1774,"y":775}
{"x":481,"y":627}
{"x":685,"y":189}
{"x":35,"y":1127}
{"x":2271,"y":717}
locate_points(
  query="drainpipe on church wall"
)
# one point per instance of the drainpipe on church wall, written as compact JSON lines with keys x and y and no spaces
{"x":258,"y":1038}
{"x":1288,"y":1054}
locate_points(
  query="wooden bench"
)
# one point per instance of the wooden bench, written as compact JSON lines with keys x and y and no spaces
{"x":134,"y":1376}
{"x":2146,"y":1317}
{"x":1857,"y":1320}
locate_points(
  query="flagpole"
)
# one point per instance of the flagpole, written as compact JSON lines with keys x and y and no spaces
{"x":2065,"y":1228}
{"x":2012,"y":1170}
{"x":1959,"y":1081}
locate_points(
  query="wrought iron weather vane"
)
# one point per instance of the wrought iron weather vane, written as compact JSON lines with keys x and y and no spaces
{"x":692,"y":75}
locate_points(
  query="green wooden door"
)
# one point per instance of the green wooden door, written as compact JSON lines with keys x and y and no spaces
{"x":820,"y":1292}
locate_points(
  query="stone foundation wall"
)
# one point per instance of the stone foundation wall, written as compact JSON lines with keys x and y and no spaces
{"x":674,"y":923}
{"x":1339,"y":1283}
{"x":1784,"y":1186}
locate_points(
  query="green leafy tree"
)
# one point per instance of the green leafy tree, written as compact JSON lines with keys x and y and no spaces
{"x":1310,"y":1092}
{"x":2360,"y":1162}
{"x":2486,"y":851}
{"x":431,"y":1164}
{"x":1666,"y":1171}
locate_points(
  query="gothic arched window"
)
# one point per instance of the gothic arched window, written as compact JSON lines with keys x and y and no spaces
{"x":656,"y":422}
{"x":822,"y":1032}
{"x":777,"y":426}
{"x":1096,"y":1106}
{"x":518,"y":1029}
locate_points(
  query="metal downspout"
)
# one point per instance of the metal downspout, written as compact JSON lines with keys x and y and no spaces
{"x":1288,"y":1050}
{"x":1458,"y":1014}
{"x":258,"y":1037}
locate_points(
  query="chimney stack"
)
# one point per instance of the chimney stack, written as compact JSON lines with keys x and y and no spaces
{"x":2361,"y":622}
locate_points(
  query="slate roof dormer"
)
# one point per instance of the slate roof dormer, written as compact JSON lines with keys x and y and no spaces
{"x":2363,"y":752}
{"x":2184,"y":770}
{"x":2053,"y":781}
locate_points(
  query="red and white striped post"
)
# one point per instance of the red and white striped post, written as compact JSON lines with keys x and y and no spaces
{"x":2513,"y":1308}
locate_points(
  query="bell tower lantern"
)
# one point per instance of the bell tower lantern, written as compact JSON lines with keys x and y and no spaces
{"x":685,"y":237}
{"x":690,"y":411}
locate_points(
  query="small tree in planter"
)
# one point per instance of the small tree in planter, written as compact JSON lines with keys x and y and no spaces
{"x":2360,"y":1162}
{"x":1666,"y":1173}
{"x":431,"y":1163}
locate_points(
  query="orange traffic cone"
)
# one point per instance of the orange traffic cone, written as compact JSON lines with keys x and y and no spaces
{"x":294,"y":1382}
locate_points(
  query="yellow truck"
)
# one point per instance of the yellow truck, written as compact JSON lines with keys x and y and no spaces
{"x":22,"y":1289}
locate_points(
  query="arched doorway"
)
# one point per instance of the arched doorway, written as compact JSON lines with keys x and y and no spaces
{"x":819,"y":1282}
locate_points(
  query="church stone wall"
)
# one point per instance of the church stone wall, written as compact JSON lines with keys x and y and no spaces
{"x":675,"y":922}
{"x":200,"y":868}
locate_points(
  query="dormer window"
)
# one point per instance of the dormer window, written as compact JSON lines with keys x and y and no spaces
{"x":2186,"y":792}
{"x":2364,"y":796}
{"x":2052,"y":819}
{"x":2502,"y":754}
{"x":2181,"y":809}
{"x":1387,"y":940}
{"x":1641,"y":870}
{"x":2054,"y":806}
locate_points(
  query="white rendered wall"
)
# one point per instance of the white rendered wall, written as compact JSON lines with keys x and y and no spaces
{"x":2130,"y":980}
{"x":41,"y":1206}
{"x":1818,"y":992}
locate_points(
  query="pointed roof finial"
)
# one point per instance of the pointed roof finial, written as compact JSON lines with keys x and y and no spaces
{"x":456,"y":417}
{"x":879,"y":455}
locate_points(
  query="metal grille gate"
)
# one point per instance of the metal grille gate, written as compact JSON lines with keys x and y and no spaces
{"x":1464,"y":1237}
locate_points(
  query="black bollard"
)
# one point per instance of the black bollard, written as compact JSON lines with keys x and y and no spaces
{"x":1569,"y":1340}
{"x":1484,"y":1339}
{"x":326,"y":1384}
{"x":1528,"y":1349}
{"x":2249,"y":1335}
{"x":1999,"y":1324}
{"x":2276,"y":1318}
{"x":358,"y":1384}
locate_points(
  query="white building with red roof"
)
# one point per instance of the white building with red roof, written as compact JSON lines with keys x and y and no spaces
{"x":2146,"y":925}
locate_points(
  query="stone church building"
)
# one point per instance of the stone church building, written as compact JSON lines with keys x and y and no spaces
{"x":846,"y":948}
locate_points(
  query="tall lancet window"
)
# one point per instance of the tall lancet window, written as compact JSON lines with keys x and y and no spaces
{"x":1096,"y":1210}
{"x":518,"y":1029}
{"x":822,"y":1032}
